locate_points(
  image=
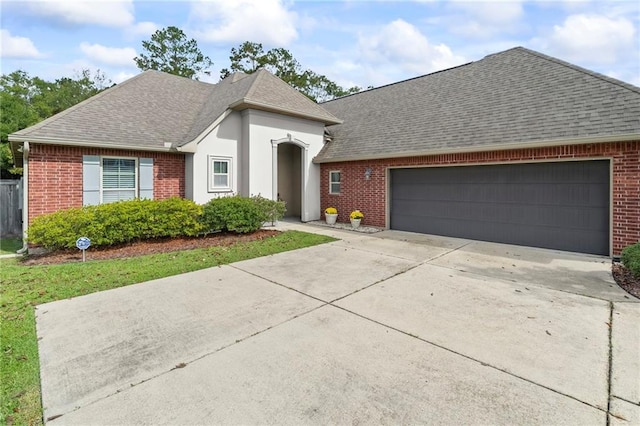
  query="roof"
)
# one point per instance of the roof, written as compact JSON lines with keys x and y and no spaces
{"x":159,"y":111}
{"x":510,"y":99}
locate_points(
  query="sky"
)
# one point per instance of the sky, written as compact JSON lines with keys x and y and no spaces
{"x":353,"y":42}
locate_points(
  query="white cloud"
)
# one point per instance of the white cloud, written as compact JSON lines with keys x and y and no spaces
{"x":485,"y":19}
{"x":264,"y":21}
{"x":145,"y":28}
{"x":595,"y":39}
{"x":104,"y":13}
{"x":119,"y":56}
{"x":402,"y":46}
{"x":16,"y":46}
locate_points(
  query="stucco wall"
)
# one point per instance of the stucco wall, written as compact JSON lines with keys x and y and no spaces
{"x":263,"y":127}
{"x":245,"y":137}
{"x":223,"y":141}
{"x":55,"y":175}
{"x":370,"y":195}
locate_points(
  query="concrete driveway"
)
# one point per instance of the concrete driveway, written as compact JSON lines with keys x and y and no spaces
{"x":383,"y":328}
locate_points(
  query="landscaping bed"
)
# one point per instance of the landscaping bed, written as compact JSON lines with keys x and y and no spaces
{"x":141,"y":248}
{"x":626,"y":280}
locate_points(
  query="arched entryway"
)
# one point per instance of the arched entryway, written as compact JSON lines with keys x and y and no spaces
{"x":289,"y":174}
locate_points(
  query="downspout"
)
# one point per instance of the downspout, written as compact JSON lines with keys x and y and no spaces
{"x":25,"y":197}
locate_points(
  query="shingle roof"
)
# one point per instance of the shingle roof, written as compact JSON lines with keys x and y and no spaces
{"x":155,"y":110}
{"x":515,"y":97}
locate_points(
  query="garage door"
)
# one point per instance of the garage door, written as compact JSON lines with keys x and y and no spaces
{"x":561,"y":206}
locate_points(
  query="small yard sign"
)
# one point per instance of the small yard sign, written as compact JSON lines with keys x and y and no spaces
{"x":83,"y":243}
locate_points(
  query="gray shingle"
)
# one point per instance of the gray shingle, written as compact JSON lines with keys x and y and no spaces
{"x":154,"y":109}
{"x":509,"y":98}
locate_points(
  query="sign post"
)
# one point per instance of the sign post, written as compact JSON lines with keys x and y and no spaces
{"x":83,"y":243}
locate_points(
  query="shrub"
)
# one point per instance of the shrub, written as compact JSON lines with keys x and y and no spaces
{"x":235,"y":214}
{"x":272,"y":210}
{"x":116,"y":223}
{"x":631,"y":259}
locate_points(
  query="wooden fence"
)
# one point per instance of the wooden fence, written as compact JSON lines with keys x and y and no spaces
{"x":10,"y":208}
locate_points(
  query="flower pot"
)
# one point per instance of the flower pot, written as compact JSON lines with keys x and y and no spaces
{"x":355,"y":223}
{"x":331,"y":218}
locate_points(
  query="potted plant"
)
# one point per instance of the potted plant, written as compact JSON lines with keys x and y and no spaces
{"x":355,"y":217}
{"x":331,"y":215}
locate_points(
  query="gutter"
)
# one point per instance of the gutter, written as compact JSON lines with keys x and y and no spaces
{"x":471,"y":149}
{"x":88,"y":144}
{"x":25,"y":197}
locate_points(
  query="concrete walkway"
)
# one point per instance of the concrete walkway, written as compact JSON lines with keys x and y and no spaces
{"x":386,"y":328}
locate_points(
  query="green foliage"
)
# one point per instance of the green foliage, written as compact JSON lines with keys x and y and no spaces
{"x":170,"y":51}
{"x":26,"y":100}
{"x":272,"y":211}
{"x":631,"y":258}
{"x":249,"y":57}
{"x":234,"y":214}
{"x":116,"y":223}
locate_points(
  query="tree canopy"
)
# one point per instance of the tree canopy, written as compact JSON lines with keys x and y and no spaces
{"x":170,"y":51}
{"x":250,"y":56}
{"x":26,"y":100}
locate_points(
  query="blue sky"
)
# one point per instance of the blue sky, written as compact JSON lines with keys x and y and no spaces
{"x":352,"y":42}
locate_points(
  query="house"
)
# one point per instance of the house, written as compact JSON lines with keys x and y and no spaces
{"x":517,"y":147}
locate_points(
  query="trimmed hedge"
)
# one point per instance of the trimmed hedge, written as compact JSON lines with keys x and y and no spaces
{"x":240,"y":214}
{"x":115,"y":223}
{"x":125,"y":221}
{"x":235,"y":214}
{"x":631,"y":259}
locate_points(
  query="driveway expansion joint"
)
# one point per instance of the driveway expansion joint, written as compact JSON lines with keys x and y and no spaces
{"x":610,"y":362}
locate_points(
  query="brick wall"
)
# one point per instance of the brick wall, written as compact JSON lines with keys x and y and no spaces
{"x":369,"y":195}
{"x":55,"y":175}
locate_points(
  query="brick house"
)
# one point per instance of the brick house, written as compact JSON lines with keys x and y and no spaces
{"x":517,"y":148}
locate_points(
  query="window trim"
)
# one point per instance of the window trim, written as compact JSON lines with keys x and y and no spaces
{"x":332,"y":182}
{"x":210,"y":175}
{"x":136,"y":169}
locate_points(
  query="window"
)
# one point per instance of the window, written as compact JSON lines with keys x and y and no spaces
{"x":119,"y":179}
{"x":334,"y":182}
{"x":219,"y":174}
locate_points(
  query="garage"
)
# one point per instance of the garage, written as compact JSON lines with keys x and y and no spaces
{"x":556,"y":205}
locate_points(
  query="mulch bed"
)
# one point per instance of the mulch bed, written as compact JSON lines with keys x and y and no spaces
{"x":141,"y":248}
{"x":626,"y":280}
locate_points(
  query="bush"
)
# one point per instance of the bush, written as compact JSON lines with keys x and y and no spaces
{"x":272,"y":210}
{"x":631,"y":259}
{"x":116,"y":223}
{"x":235,"y":214}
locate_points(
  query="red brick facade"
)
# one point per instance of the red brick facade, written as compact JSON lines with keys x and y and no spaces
{"x":55,"y":175}
{"x":369,"y":196}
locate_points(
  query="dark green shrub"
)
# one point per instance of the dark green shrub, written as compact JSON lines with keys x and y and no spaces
{"x":235,"y":214}
{"x":115,"y":223}
{"x":272,"y":211}
{"x":631,"y":259}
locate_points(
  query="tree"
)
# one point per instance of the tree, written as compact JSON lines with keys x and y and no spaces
{"x":24,"y":101}
{"x":170,"y":51}
{"x":249,"y":57}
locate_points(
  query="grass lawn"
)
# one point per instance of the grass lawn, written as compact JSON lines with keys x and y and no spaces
{"x":23,"y":287}
{"x":10,"y":245}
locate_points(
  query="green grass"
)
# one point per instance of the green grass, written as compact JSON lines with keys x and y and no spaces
{"x":23,"y":287}
{"x":10,"y":245}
